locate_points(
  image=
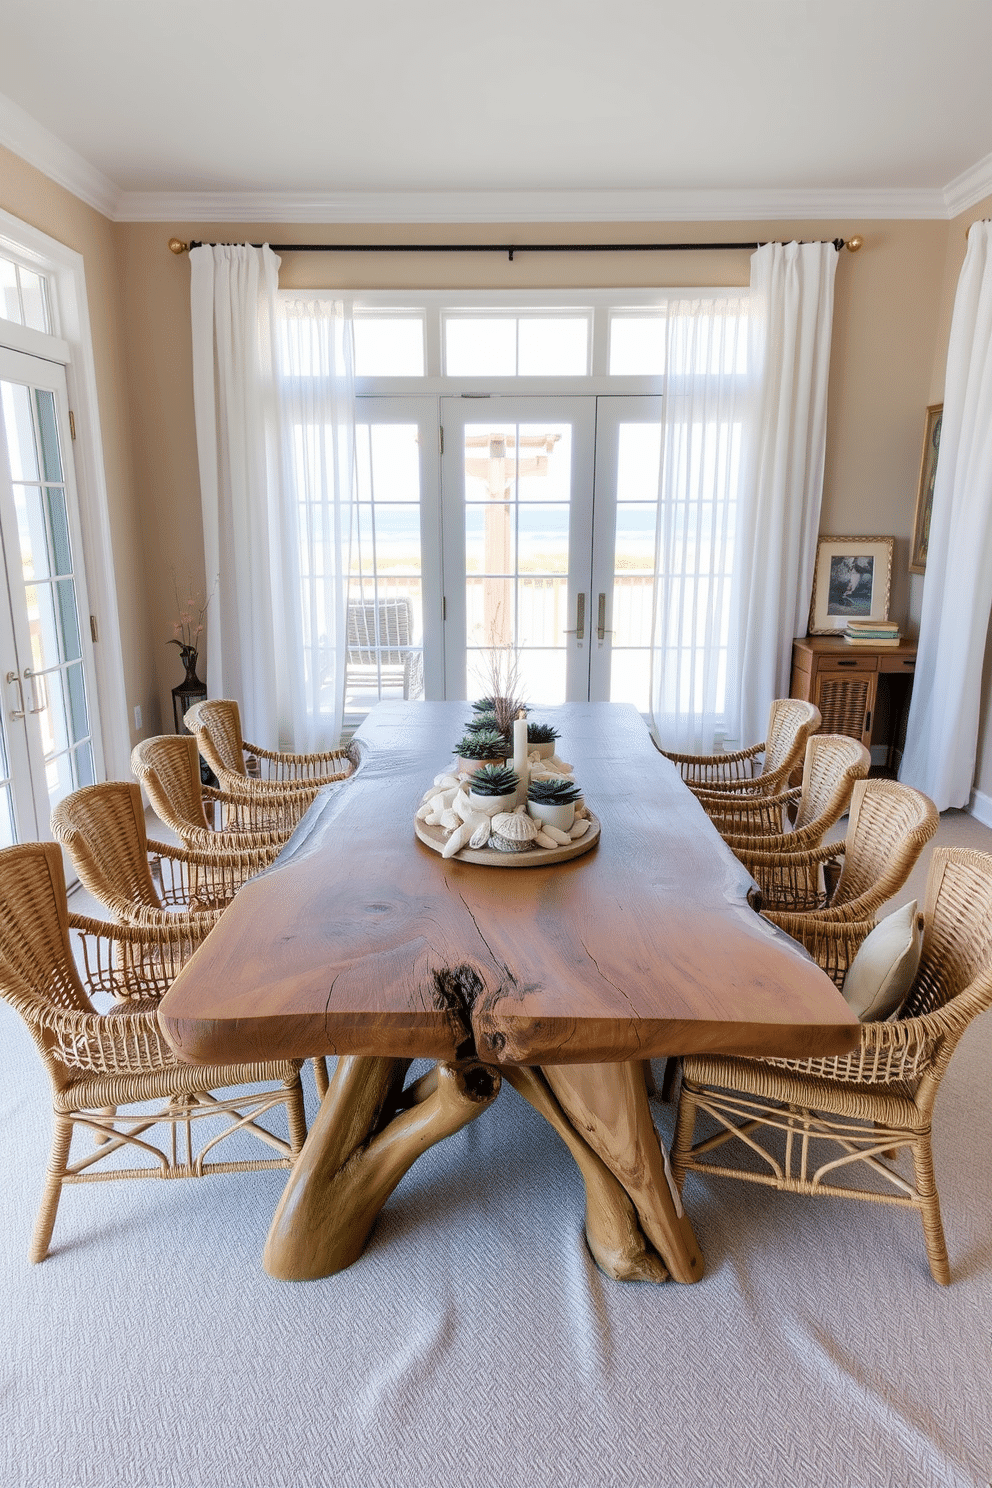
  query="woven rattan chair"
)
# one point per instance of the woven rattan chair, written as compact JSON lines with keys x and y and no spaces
{"x":216,"y":725}
{"x":765,"y":767}
{"x":101,"y":1062}
{"x":888,"y":826}
{"x":833,"y":763}
{"x":168,"y":767}
{"x":102,"y":827}
{"x":802,"y":1125}
{"x":380,"y":644}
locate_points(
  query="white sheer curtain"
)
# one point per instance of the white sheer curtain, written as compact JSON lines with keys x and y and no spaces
{"x":274,"y":405}
{"x":232,"y":298}
{"x":702,"y":412}
{"x":317,"y":467}
{"x":790,"y":322}
{"x":942,"y":732}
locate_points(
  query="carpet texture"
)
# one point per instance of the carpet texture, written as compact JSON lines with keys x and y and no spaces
{"x":475,"y":1342}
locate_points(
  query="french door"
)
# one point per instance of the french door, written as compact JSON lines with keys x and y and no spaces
{"x":49,"y":739}
{"x":550,"y":518}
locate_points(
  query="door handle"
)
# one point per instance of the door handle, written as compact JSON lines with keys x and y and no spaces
{"x":580,"y":618}
{"x":602,"y":631}
{"x":15,"y":677}
{"x":34,"y":678}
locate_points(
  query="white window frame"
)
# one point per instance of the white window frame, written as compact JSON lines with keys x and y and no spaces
{"x":71,"y":344}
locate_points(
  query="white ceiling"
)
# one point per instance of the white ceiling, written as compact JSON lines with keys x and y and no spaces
{"x":466,"y":110}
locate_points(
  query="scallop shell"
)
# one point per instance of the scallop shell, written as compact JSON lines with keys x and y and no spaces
{"x":514,"y":826}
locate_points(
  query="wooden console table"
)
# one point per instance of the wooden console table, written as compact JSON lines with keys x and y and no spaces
{"x":861,"y":691}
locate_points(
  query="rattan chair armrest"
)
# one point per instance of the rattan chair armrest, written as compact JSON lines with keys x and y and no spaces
{"x":895,"y":1052}
{"x":748,"y":816}
{"x":128,"y":1043}
{"x":791,"y":880}
{"x":245,"y":857}
{"x":832,"y":944}
{"x":714,"y":759}
{"x":129,"y":962}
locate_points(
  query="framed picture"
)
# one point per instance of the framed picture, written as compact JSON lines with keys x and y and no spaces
{"x":850,"y":582}
{"x":924,"y":496}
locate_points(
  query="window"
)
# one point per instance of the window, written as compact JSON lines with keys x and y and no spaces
{"x":25,"y":297}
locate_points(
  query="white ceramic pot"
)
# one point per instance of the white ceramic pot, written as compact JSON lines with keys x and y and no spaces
{"x":491,"y":804}
{"x":561,"y":817}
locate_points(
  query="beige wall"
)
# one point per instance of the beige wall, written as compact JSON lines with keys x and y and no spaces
{"x":27,"y":194}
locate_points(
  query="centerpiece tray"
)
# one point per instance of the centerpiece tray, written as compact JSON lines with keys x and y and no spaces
{"x":536,"y":857}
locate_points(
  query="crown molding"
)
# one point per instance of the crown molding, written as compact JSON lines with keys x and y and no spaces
{"x":971,"y":186}
{"x":31,"y":141}
{"x":359,"y":207}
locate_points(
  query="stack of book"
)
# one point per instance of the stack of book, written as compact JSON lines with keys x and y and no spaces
{"x":872,"y":633}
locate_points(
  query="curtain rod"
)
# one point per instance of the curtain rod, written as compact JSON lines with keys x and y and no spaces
{"x":178,"y":246}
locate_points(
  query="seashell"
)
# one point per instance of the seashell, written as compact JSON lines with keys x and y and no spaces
{"x":424,"y":811}
{"x":480,"y":836}
{"x":461,"y":806}
{"x":558,"y":766}
{"x":457,"y":840}
{"x":445,"y":780}
{"x":581,"y":809}
{"x":450,"y":820}
{"x":512,"y":832}
{"x":543,"y":840}
{"x":555,"y":833}
{"x":579,"y":828}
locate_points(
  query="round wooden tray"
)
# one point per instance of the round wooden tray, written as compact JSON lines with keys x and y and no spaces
{"x":538,"y":857}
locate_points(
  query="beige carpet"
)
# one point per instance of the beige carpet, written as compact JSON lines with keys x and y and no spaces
{"x":475,"y":1343}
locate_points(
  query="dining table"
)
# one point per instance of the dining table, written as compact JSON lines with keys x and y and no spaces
{"x":364,"y":945}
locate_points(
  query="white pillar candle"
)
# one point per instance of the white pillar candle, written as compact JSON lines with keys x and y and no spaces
{"x":520,"y":766}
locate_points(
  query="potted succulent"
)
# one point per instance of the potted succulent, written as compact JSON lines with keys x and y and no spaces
{"x":552,"y":801}
{"x":483,"y":723}
{"x":481,"y":748}
{"x":493,"y":788}
{"x":541,"y":739}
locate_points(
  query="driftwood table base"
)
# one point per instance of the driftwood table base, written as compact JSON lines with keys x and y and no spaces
{"x":370,"y":1131}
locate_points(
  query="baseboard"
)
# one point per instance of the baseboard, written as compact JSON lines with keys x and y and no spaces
{"x":980,"y":807}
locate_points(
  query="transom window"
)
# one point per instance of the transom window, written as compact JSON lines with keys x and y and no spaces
{"x":24,"y":296}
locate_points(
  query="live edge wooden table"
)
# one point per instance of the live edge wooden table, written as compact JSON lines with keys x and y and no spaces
{"x":361,"y":942}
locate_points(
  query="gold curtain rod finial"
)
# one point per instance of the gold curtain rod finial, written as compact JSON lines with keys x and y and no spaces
{"x":853,"y":244}
{"x":177,"y":246}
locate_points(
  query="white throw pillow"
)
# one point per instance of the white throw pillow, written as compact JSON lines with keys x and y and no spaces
{"x":882,"y":972}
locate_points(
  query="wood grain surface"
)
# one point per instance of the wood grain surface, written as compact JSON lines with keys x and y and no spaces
{"x":360,"y":940}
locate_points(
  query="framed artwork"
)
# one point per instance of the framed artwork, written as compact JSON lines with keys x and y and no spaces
{"x":850,"y":582}
{"x":924,"y":496}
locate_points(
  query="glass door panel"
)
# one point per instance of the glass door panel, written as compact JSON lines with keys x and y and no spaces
{"x":628,"y":454}
{"x":48,"y":720}
{"x":393,"y":625}
{"x":517,"y":499}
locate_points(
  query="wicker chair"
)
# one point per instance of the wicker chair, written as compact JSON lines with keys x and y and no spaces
{"x":216,"y":724}
{"x":102,"y":827}
{"x":866,"y":1105}
{"x":833,"y":763}
{"x":888,"y":827}
{"x":765,"y":767}
{"x":100,"y":1062}
{"x":168,"y":768}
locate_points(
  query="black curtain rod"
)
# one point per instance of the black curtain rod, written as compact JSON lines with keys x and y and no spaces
{"x":178,"y":246}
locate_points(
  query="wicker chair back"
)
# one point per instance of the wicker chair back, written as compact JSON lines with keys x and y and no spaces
{"x":888,"y":826}
{"x":833,"y":763}
{"x":34,"y":926}
{"x":168,"y":766}
{"x":102,"y":827}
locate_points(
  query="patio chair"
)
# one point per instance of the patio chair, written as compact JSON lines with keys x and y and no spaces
{"x":775,"y":1115}
{"x":102,"y":1065}
{"x":763,"y":768}
{"x":168,"y":767}
{"x":380,"y":642}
